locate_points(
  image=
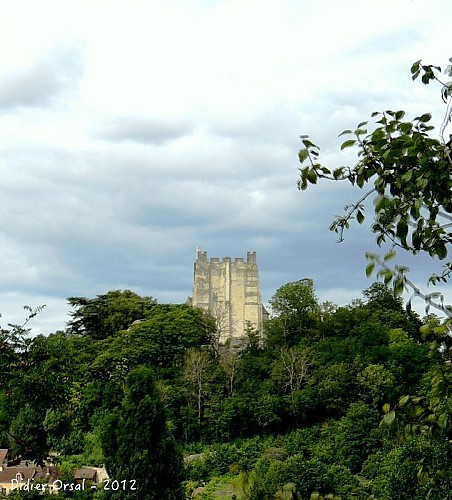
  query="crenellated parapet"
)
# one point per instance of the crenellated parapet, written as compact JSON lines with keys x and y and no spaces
{"x":202,"y":258}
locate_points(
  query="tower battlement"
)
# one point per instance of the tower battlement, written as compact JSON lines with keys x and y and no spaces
{"x":201,"y":257}
{"x":230,"y":290}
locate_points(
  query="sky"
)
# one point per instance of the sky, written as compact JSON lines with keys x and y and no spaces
{"x":134,"y":131}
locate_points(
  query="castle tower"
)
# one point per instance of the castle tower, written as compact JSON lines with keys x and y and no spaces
{"x":230,"y":290}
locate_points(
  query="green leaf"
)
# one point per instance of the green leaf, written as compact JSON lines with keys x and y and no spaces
{"x":406,"y":127}
{"x":302,"y":185}
{"x":360,"y":217}
{"x":369,"y":269}
{"x":403,"y":400}
{"x":425,"y":117}
{"x":338,"y":172}
{"x":389,"y":417}
{"x":347,"y":144}
{"x":422,"y":477}
{"x":345,"y":132}
{"x":398,"y":287}
{"x":416,"y":65}
{"x":406,"y":177}
{"x":386,"y":407}
{"x":308,"y":144}
{"x":303,"y":155}
{"x":389,"y":256}
{"x":312,"y":176}
{"x":442,"y":421}
{"x":402,"y":230}
{"x":386,"y":274}
{"x":441,"y":250}
{"x":408,"y":431}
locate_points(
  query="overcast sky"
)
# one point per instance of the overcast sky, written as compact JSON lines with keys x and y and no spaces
{"x":134,"y":131}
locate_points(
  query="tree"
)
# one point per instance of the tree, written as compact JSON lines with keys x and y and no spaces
{"x":376,"y":382}
{"x":138,"y":446}
{"x":221,"y":316}
{"x":107,"y":314}
{"x":198,"y":372}
{"x":230,"y":365}
{"x":171,"y":329}
{"x":292,"y":366}
{"x":27,"y":438}
{"x":295,"y":309}
{"x":159,"y":341}
{"x":409,"y":173}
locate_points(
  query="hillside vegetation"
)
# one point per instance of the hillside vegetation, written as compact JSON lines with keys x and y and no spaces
{"x":352,"y":401}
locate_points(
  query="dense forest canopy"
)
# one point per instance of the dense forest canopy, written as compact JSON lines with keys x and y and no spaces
{"x":301,"y":407}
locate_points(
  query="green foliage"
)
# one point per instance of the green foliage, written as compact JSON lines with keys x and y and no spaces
{"x":417,"y":469}
{"x":408,"y":173}
{"x":302,"y":441}
{"x":267,"y":478}
{"x":223,"y":458}
{"x":27,"y":437}
{"x":295,"y":309}
{"x":356,"y":436}
{"x":315,"y":389}
{"x":107,"y":314}
{"x":376,"y":383}
{"x":138,"y":445}
{"x":410,"y":177}
{"x":271,"y":478}
{"x":335,"y":387}
{"x":159,"y":341}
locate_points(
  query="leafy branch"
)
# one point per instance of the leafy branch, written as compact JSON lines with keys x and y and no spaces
{"x":397,"y":278}
{"x":409,"y":174}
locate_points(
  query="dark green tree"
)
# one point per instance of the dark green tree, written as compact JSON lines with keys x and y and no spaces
{"x":160,"y":341}
{"x":138,"y":445}
{"x":107,"y":314}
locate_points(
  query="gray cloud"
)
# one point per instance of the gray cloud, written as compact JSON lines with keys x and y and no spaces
{"x":102,"y":189}
{"x":37,"y":85}
{"x":144,"y":130}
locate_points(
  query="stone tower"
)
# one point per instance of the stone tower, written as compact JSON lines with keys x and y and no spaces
{"x":230,"y":290}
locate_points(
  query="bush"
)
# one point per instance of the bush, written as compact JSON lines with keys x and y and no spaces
{"x":301,"y":441}
{"x":267,"y":478}
{"x":418,"y":469}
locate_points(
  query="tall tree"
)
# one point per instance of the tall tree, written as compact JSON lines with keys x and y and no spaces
{"x":291,"y":368}
{"x":294,"y":309}
{"x":198,"y":372}
{"x":140,"y":451}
